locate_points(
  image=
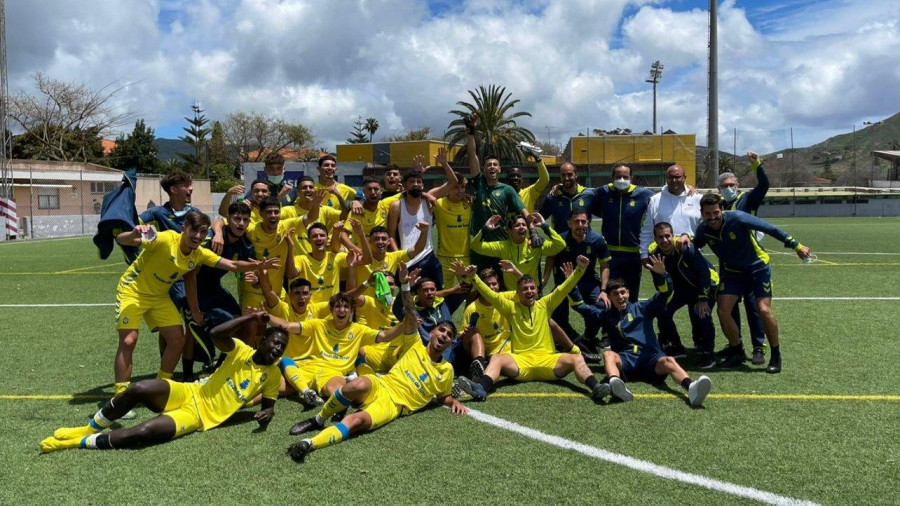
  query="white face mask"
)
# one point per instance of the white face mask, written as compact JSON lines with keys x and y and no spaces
{"x":179,"y":214}
{"x":729,"y":193}
{"x":622,"y":184}
{"x":275,"y":179}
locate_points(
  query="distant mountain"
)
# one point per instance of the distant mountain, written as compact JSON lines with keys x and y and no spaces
{"x":169,"y":149}
{"x":844,"y":159}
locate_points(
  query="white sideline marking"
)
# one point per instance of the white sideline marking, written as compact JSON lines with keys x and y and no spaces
{"x":57,"y":305}
{"x":837,"y":298}
{"x":636,"y":464}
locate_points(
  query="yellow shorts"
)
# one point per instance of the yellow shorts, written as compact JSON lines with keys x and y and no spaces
{"x":252,"y":299}
{"x":446,"y":262}
{"x":317,"y":375}
{"x":379,"y":404}
{"x":536,"y":366}
{"x":496,"y":347}
{"x":158,"y":312}
{"x":182,"y":407}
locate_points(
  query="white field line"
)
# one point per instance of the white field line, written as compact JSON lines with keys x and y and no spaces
{"x":636,"y":464}
{"x":58,"y":305}
{"x":37,"y":241}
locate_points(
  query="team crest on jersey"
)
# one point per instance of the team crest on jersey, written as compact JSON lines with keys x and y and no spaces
{"x":191,"y":264}
{"x":350,"y":336}
{"x":459,"y":218}
{"x":496,"y":326}
{"x":262,"y":379}
{"x":630,"y":317}
{"x":632,"y":203}
{"x":245,"y":384}
{"x":497,"y":193}
{"x":731,"y":234}
{"x":125,"y":321}
{"x":588,"y":250}
{"x":321,"y":280}
{"x":440,"y":377}
{"x":580,"y":202}
{"x":329,"y":267}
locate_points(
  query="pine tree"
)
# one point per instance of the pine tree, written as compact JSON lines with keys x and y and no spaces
{"x":197,"y":162}
{"x":358,"y":134}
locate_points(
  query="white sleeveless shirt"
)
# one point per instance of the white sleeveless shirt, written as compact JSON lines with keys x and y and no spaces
{"x":409,"y":234}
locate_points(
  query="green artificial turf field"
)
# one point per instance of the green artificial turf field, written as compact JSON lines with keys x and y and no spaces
{"x":825,"y":430}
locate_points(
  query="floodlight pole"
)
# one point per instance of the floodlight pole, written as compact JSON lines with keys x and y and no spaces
{"x":6,"y":188}
{"x":713,"y":114}
{"x":655,"y":73}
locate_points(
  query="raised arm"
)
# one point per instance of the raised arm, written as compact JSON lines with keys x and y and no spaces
{"x":444,"y":189}
{"x":424,"y":229}
{"x":755,"y":197}
{"x":491,"y":248}
{"x":409,"y":323}
{"x":222,"y":335}
{"x":237,"y":189}
{"x":471,"y":149}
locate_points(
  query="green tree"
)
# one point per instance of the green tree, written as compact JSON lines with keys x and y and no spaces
{"x":138,"y":150}
{"x":84,"y":145}
{"x":221,"y":177}
{"x":497,"y":133}
{"x":218,"y":150}
{"x":371,"y":127}
{"x":197,"y":162}
{"x":418,"y":134}
{"x":358,"y":134}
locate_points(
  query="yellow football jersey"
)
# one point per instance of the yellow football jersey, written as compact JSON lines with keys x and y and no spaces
{"x":390,"y":263}
{"x":299,"y":347}
{"x":237,"y":381}
{"x":493,"y":326}
{"x":416,"y":379}
{"x":369,"y":220}
{"x":336,"y":348}
{"x":160,"y":264}
{"x":523,"y":256}
{"x":452,"y":221}
{"x":347,"y":193}
{"x":269,"y":245}
{"x":323,"y":274}
{"x":373,"y":313}
{"x":530,"y":325}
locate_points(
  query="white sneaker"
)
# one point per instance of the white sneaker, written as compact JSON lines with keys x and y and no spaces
{"x":620,"y":390}
{"x":698,"y":390}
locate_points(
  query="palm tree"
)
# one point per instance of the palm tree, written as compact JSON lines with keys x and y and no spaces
{"x":371,"y":127}
{"x":496,"y":133}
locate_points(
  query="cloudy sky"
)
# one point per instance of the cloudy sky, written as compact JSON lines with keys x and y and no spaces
{"x":819,"y":66}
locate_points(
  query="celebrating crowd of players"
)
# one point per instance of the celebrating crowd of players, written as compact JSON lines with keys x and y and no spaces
{"x":346,"y":299}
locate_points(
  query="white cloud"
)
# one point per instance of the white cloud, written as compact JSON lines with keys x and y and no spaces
{"x":323,"y":63}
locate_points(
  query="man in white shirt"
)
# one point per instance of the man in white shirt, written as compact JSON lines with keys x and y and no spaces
{"x":679,"y":206}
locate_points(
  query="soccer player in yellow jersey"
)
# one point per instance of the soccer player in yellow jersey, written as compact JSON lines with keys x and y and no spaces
{"x":269,"y":239}
{"x":308,"y":197}
{"x":186,"y":407}
{"x":420,"y":376}
{"x":345,"y":197}
{"x":490,"y":327}
{"x":259,"y":189}
{"x":377,"y":313}
{"x":143,"y":290}
{"x":384,"y":260}
{"x":335,"y":345}
{"x":322,"y":267}
{"x":518,"y":248}
{"x":533,"y":356}
{"x":530,"y":194}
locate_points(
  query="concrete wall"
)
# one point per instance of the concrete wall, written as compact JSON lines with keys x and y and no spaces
{"x":871,"y":207}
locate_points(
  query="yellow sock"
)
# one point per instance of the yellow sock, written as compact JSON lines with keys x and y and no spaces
{"x":335,"y":404}
{"x":330,"y":436}
{"x":291,"y":374}
{"x":163,"y":375}
{"x":121,"y":387}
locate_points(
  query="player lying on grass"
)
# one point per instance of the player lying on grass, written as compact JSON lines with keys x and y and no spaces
{"x":335,"y":343}
{"x":420,"y":376}
{"x":635,"y":353}
{"x":533,"y":356}
{"x":187,"y":407}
